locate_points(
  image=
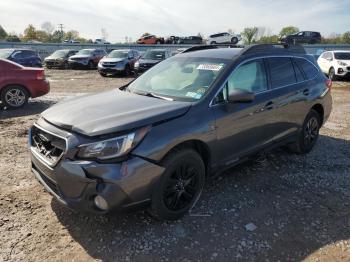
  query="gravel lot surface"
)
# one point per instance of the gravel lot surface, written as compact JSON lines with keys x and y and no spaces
{"x":279,"y":207}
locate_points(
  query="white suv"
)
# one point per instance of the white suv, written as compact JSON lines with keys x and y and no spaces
{"x":335,"y":64}
{"x":223,"y":38}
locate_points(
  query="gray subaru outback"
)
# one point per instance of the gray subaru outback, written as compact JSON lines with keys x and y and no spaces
{"x":155,"y":141}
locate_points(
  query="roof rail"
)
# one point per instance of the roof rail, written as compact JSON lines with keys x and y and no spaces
{"x":206,"y":47}
{"x":199,"y":47}
{"x":264,"y":48}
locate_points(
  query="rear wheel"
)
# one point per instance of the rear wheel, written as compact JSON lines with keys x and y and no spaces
{"x":180,"y":185}
{"x":213,"y":43}
{"x":14,"y":96}
{"x":65,"y":65}
{"x":127,"y":71}
{"x":308,"y":135}
{"x":91,"y":65}
{"x":234,"y":40}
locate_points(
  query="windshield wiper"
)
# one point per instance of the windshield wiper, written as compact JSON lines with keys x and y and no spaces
{"x":150,"y":94}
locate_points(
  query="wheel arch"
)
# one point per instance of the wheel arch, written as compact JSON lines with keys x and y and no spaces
{"x":199,"y":146}
{"x":15,"y":84}
{"x":320,"y":110}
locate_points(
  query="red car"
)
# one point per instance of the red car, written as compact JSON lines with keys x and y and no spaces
{"x":150,"y":40}
{"x":18,"y":83}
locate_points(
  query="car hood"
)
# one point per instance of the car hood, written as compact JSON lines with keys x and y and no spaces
{"x":113,"y":60}
{"x":53,"y":58}
{"x":80,"y":56}
{"x":112,"y":111}
{"x":149,"y":61}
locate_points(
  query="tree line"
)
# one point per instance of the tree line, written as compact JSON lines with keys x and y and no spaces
{"x":48,"y":34}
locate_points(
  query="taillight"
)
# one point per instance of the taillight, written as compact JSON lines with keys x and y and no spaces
{"x":40,"y":75}
{"x":329,"y":83}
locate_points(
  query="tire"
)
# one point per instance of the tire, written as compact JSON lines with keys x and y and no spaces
{"x":234,"y":40}
{"x":213,"y":43}
{"x":180,"y":185}
{"x":127,"y":71}
{"x":65,"y":65}
{"x":103,"y":74}
{"x":308,"y":134}
{"x":332,"y":75}
{"x":91,"y":65}
{"x":14,"y":96}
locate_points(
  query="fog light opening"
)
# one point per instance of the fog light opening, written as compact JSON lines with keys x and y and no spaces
{"x":100,"y":203}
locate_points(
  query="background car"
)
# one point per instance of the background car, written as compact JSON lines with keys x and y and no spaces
{"x":18,"y":83}
{"x":303,"y":37}
{"x":171,"y":40}
{"x":59,"y":58}
{"x":101,"y":42}
{"x":86,"y":58}
{"x":25,"y":57}
{"x":224,"y":38}
{"x":150,"y":40}
{"x":118,"y":62}
{"x":335,"y":64}
{"x":151,"y":58}
{"x":195,"y":40}
{"x":71,"y":41}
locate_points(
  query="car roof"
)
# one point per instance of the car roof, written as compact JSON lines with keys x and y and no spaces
{"x":222,"y":53}
{"x":158,"y":49}
{"x":341,"y":51}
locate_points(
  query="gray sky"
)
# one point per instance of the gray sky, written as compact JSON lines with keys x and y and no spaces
{"x":131,"y":18}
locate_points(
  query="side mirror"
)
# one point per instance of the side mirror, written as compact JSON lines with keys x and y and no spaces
{"x":240,"y":96}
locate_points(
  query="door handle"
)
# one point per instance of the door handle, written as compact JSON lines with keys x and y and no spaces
{"x":306,"y":92}
{"x":269,"y":106}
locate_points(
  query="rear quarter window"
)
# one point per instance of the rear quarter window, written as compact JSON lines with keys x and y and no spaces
{"x":309,"y":69}
{"x":281,"y":71}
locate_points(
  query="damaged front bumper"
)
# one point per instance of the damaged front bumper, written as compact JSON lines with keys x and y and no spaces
{"x":77,"y":183}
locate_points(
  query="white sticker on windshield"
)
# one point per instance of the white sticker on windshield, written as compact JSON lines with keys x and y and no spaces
{"x":211,"y":67}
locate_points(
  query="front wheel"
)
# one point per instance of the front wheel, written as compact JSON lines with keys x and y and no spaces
{"x":308,"y":134}
{"x":332,"y":75}
{"x":180,"y":185}
{"x":14,"y":96}
{"x":103,"y":74}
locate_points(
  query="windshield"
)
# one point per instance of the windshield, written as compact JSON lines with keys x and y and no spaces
{"x":5,"y":53}
{"x":85,"y":52}
{"x":154,"y":55}
{"x":59,"y":54}
{"x":179,"y":78}
{"x":118,"y":54}
{"x":342,"y":56}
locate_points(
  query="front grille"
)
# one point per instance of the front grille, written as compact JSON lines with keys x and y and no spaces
{"x":51,"y":184}
{"x":106,"y":64}
{"x":48,"y":147}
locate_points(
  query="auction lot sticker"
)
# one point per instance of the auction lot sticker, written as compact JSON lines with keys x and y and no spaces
{"x":211,"y":67}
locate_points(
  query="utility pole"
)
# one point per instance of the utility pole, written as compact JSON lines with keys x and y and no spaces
{"x":60,"y":26}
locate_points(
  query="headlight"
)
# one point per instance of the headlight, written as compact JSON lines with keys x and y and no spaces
{"x":137,"y":64}
{"x":342,"y":63}
{"x":113,"y":147}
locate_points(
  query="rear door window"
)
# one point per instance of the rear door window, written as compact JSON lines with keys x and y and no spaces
{"x":309,"y":69}
{"x":250,"y":76}
{"x":281,"y":72}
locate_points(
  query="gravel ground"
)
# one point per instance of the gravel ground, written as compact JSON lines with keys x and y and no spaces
{"x":279,"y":207}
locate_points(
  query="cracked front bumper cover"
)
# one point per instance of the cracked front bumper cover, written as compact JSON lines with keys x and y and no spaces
{"x":76,"y":183}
